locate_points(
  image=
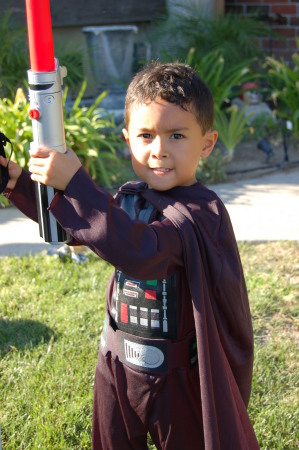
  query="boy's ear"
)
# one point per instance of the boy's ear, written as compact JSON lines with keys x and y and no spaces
{"x":211,"y":139}
{"x":126,"y":136}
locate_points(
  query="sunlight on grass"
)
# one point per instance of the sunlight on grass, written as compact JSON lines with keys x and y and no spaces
{"x":50,"y":324}
{"x":272,"y":276}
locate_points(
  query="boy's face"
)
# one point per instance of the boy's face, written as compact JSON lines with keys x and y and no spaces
{"x":166,"y":144}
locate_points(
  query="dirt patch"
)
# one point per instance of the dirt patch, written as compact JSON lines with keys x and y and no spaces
{"x":251,"y":162}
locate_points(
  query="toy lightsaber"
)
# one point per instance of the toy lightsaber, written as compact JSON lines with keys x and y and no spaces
{"x":45,"y":80}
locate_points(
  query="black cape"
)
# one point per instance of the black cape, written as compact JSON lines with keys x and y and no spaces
{"x":221,"y":312}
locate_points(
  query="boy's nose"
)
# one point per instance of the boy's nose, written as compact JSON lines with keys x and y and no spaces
{"x":158,"y":150}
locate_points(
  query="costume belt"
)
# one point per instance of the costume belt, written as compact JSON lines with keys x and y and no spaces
{"x":148,"y":355}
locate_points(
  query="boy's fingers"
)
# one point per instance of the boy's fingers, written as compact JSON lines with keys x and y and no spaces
{"x":36,"y":177}
{"x":39,"y":178}
{"x":3,"y":161}
{"x":36,"y":162}
{"x":40,"y":152}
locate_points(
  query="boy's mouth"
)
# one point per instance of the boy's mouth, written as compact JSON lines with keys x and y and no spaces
{"x":160,"y":170}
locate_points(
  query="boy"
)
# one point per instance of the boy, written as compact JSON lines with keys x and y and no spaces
{"x":176,"y":352}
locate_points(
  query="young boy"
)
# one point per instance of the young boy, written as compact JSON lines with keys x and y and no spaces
{"x":176,"y":351}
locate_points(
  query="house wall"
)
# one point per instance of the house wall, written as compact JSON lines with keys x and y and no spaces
{"x":281,"y":15}
{"x":65,"y":13}
{"x":208,"y":6}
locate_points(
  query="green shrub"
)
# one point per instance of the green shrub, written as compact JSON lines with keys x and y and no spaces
{"x":262,"y":125}
{"x":283,"y":82}
{"x":211,"y":169}
{"x":235,"y":38}
{"x":89,"y":131}
{"x":222,"y":78}
{"x":14,"y":59}
{"x":16,"y":125}
{"x":72,"y":58}
{"x":231,"y":125}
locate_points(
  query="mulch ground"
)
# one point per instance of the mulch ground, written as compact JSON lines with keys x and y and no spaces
{"x":251,"y":162}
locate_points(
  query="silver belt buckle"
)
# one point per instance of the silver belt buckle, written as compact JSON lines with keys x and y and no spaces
{"x":142,"y":355}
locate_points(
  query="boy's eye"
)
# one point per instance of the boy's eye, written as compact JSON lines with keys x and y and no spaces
{"x":176,"y":136}
{"x":145,"y":136}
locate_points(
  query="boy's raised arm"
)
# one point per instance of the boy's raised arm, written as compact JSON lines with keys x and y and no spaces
{"x":91,"y":215}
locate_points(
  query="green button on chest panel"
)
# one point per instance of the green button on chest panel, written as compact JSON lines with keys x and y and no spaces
{"x":145,"y":308}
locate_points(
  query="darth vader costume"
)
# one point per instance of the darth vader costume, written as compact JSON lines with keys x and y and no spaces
{"x":177,"y":314}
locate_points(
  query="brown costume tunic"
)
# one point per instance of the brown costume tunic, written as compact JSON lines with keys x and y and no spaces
{"x":196,"y":235}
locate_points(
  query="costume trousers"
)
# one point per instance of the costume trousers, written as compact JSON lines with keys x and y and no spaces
{"x":128,"y":404}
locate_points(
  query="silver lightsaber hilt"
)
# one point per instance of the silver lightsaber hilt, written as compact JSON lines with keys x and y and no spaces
{"x":46,"y":112}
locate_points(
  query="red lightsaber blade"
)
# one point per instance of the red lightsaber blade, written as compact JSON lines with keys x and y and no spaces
{"x":45,"y":92}
{"x":41,"y":49}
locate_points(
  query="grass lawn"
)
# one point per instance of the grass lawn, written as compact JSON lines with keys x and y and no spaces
{"x":51,"y":314}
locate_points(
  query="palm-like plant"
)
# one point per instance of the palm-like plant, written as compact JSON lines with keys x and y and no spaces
{"x":234,"y":38}
{"x":231,"y":125}
{"x":222,"y":78}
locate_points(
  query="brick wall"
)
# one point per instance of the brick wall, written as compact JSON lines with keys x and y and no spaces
{"x":281,"y":15}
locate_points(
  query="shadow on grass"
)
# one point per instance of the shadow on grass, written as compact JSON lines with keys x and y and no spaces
{"x":21,"y":334}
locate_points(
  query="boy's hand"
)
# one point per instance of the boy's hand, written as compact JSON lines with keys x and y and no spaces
{"x":14,"y":171}
{"x":53,"y":168}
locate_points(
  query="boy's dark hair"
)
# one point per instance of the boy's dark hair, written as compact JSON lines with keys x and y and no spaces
{"x":176,"y":83}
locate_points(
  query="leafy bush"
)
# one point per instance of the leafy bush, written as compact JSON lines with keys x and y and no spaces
{"x":234,"y":38}
{"x":72,"y":58}
{"x":262,"y":125}
{"x":231,"y":125}
{"x":16,"y":125}
{"x":89,"y":132}
{"x":283,"y":82}
{"x":14,"y":59}
{"x":211,"y":169}
{"x":222,"y":78}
